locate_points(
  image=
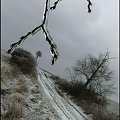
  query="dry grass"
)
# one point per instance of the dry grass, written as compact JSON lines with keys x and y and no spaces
{"x":98,"y":112}
{"x":4,"y":73}
{"x":35,"y":90}
{"x":22,"y":89}
{"x":14,"y":112}
{"x":21,"y":81}
{"x":9,"y":73}
{"x":101,"y":114}
{"x":87,"y":106}
{"x":33,"y":78}
{"x":18,"y":98}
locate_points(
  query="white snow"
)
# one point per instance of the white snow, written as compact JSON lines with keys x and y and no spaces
{"x":66,"y":109}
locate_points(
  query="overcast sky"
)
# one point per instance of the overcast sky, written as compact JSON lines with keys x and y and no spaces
{"x":76,"y":32}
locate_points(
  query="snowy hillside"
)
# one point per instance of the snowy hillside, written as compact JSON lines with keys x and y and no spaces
{"x":25,"y":98}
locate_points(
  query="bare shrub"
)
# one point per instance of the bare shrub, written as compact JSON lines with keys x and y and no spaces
{"x":77,"y":90}
{"x":86,"y":105}
{"x":25,"y":61}
{"x":14,"y":111}
{"x":101,"y":114}
{"x":86,"y":98}
{"x":98,"y":112}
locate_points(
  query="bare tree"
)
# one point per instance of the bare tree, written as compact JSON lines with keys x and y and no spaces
{"x":39,"y":54}
{"x":43,"y":26}
{"x":95,"y":73}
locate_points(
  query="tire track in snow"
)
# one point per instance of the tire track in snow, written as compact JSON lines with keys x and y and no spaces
{"x":59,"y":103}
{"x":60,"y":110}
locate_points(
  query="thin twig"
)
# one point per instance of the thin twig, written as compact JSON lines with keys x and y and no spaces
{"x":89,"y":5}
{"x":55,"y":4}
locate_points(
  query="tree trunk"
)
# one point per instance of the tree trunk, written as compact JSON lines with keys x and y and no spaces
{"x":94,"y":73}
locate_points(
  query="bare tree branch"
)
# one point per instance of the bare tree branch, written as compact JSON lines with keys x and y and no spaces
{"x":43,"y":26}
{"x":55,"y":4}
{"x":14,"y":45}
{"x":53,"y":46}
{"x":89,"y":6}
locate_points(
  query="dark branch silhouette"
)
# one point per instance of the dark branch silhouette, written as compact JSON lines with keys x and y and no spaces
{"x":43,"y":26}
{"x":89,"y":6}
{"x":55,"y":4}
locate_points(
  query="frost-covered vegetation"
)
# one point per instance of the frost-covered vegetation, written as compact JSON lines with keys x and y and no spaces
{"x":85,"y":98}
{"x":23,"y":97}
{"x":25,"y":61}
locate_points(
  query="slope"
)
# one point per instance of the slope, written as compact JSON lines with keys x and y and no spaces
{"x":25,"y":98}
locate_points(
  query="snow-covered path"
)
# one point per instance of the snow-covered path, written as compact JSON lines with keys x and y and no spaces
{"x":65,"y":108}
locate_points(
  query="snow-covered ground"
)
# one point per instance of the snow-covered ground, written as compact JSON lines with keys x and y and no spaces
{"x":40,"y":99}
{"x":66,"y":109}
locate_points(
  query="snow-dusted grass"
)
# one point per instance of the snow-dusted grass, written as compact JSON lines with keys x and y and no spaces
{"x":22,"y":89}
{"x":14,"y":111}
{"x":35,"y":99}
{"x":17,"y":88}
{"x":25,"y":91}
